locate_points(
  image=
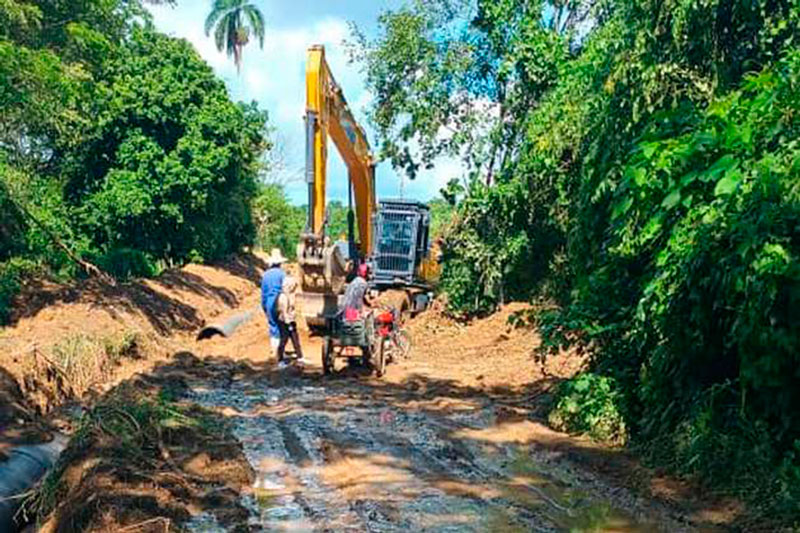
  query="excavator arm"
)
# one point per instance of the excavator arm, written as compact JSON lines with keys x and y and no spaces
{"x":321,"y":263}
{"x":328,"y":115}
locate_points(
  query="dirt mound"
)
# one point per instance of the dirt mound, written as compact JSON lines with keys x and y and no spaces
{"x":143,"y":459}
{"x":489,"y":353}
{"x":67,"y":343}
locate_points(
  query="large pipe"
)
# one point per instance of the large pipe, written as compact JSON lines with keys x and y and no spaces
{"x":25,"y":466}
{"x":227,"y":328}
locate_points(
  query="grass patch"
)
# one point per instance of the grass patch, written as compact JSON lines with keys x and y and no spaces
{"x":84,"y":359}
{"x":124,"y":463}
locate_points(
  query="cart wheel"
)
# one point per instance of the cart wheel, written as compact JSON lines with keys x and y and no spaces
{"x":380,"y":358}
{"x":327,"y":356}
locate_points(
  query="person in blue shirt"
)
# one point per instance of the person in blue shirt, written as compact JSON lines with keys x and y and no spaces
{"x":271,"y":286}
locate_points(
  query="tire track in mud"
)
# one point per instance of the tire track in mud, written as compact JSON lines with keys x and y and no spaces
{"x":350,"y":456}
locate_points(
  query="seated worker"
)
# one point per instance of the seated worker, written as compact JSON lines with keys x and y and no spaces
{"x":357,"y":294}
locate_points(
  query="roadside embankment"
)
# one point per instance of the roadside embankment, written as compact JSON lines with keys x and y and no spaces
{"x":67,"y":342}
{"x":67,"y":346}
{"x":143,"y":459}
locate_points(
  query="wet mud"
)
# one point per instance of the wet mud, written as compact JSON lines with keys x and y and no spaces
{"x":349,"y":453}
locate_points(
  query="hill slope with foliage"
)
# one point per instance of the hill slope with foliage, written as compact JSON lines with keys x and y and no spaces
{"x":637,"y":167}
{"x":118,"y":146}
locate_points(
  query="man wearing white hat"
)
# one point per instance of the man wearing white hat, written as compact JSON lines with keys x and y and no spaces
{"x":271,"y":285}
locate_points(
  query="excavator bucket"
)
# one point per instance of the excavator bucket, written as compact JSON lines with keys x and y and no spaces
{"x":317,"y":307}
{"x":323,"y":271}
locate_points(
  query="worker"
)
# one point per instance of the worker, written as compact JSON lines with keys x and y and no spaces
{"x":271,"y":286}
{"x":357,"y":294}
{"x":287,"y":322}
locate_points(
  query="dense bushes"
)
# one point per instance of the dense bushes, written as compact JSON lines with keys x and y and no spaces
{"x":12,"y":224}
{"x":12,"y":275}
{"x":682,"y":270}
{"x":649,"y":187}
{"x":589,"y":404}
{"x":171,"y":161}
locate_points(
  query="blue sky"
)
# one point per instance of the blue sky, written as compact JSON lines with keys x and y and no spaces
{"x":274,"y":77}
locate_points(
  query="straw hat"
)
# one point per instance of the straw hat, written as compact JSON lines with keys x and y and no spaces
{"x":275,"y":257}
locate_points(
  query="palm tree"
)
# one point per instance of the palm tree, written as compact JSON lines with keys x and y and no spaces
{"x":232,"y":22}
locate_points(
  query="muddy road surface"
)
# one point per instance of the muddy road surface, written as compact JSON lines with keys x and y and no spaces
{"x":453,"y":438}
{"x":352,"y":453}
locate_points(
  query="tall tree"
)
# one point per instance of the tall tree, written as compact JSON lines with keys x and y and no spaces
{"x":233,"y":22}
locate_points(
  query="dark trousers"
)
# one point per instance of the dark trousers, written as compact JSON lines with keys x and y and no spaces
{"x":289,"y":331}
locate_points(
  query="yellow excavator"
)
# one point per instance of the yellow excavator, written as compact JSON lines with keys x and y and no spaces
{"x":393,"y":235}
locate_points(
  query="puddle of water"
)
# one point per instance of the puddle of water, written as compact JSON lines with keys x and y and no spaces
{"x":336,"y":459}
{"x":571,"y":509}
{"x":205,"y":523}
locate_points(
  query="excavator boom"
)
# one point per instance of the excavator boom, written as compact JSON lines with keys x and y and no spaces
{"x":322,"y":265}
{"x":328,"y":115}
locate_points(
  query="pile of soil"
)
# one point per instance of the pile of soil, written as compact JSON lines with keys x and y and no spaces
{"x":144,"y":459}
{"x":19,"y":423}
{"x":157,"y":318}
{"x":491,"y":354}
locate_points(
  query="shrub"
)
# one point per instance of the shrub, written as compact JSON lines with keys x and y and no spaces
{"x":589,"y":404}
{"x":12,"y":275}
{"x":173,"y":161}
{"x":127,"y":263}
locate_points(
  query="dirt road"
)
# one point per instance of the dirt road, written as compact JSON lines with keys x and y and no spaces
{"x":350,"y":454}
{"x":435,"y":446}
{"x":451,"y":439}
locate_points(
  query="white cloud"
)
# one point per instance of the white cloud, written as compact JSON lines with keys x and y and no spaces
{"x":429,"y":182}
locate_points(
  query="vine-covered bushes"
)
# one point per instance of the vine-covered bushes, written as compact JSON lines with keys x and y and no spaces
{"x":649,"y":187}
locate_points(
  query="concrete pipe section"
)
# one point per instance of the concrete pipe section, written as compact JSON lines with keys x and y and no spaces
{"x":228,"y":327}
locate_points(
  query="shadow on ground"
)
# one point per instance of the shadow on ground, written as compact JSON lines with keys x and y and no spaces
{"x":376,"y":447}
{"x":165,"y":313}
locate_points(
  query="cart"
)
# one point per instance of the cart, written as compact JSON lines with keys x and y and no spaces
{"x":355,"y":340}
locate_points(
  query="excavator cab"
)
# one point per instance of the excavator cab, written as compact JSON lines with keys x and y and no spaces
{"x":402,"y":229}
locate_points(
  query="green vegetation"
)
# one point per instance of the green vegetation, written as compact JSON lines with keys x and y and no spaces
{"x":279,"y":223}
{"x":589,"y":404}
{"x":12,"y":276}
{"x":118,"y":147}
{"x":442,"y":217}
{"x":635,"y":163}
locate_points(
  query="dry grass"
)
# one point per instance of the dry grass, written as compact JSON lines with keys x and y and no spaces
{"x":84,"y":360}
